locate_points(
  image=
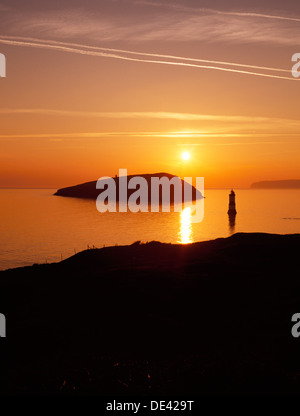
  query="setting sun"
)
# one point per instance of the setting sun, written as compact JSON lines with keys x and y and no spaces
{"x":185,"y":155}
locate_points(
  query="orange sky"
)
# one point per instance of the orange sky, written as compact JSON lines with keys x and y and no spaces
{"x":70,"y":114}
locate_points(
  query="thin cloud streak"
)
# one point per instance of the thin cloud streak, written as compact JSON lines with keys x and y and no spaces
{"x":236,"y":143}
{"x":218,"y":12}
{"x":3,"y":40}
{"x":155,"y":55}
{"x":248,"y":14}
{"x":148,"y":115}
{"x":103,"y":135}
{"x":168,"y":24}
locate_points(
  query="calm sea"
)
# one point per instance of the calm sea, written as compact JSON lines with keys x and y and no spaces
{"x":37,"y":227}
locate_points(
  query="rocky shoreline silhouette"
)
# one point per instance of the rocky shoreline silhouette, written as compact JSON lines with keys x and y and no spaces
{"x":211,"y":317}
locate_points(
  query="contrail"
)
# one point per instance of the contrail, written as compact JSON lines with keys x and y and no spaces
{"x":126,"y":58}
{"x":155,"y":55}
{"x":250,"y":14}
{"x":214,"y":11}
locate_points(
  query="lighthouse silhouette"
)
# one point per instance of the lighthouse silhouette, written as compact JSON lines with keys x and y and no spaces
{"x":231,"y":210}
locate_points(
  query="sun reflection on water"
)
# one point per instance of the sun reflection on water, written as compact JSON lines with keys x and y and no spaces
{"x":185,"y":235}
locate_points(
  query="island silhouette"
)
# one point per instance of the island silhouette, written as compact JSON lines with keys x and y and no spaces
{"x":88,"y":190}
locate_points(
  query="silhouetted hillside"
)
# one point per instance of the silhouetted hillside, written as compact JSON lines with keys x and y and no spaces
{"x":206,"y":318}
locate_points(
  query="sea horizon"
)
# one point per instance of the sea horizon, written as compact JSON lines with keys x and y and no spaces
{"x":39,"y":227}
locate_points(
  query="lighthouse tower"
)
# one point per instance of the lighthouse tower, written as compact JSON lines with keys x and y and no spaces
{"x":231,"y":209}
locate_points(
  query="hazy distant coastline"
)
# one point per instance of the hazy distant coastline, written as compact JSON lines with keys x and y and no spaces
{"x":282,"y":184}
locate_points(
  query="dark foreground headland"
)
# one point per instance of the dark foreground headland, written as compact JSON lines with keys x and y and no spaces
{"x":207,"y":318}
